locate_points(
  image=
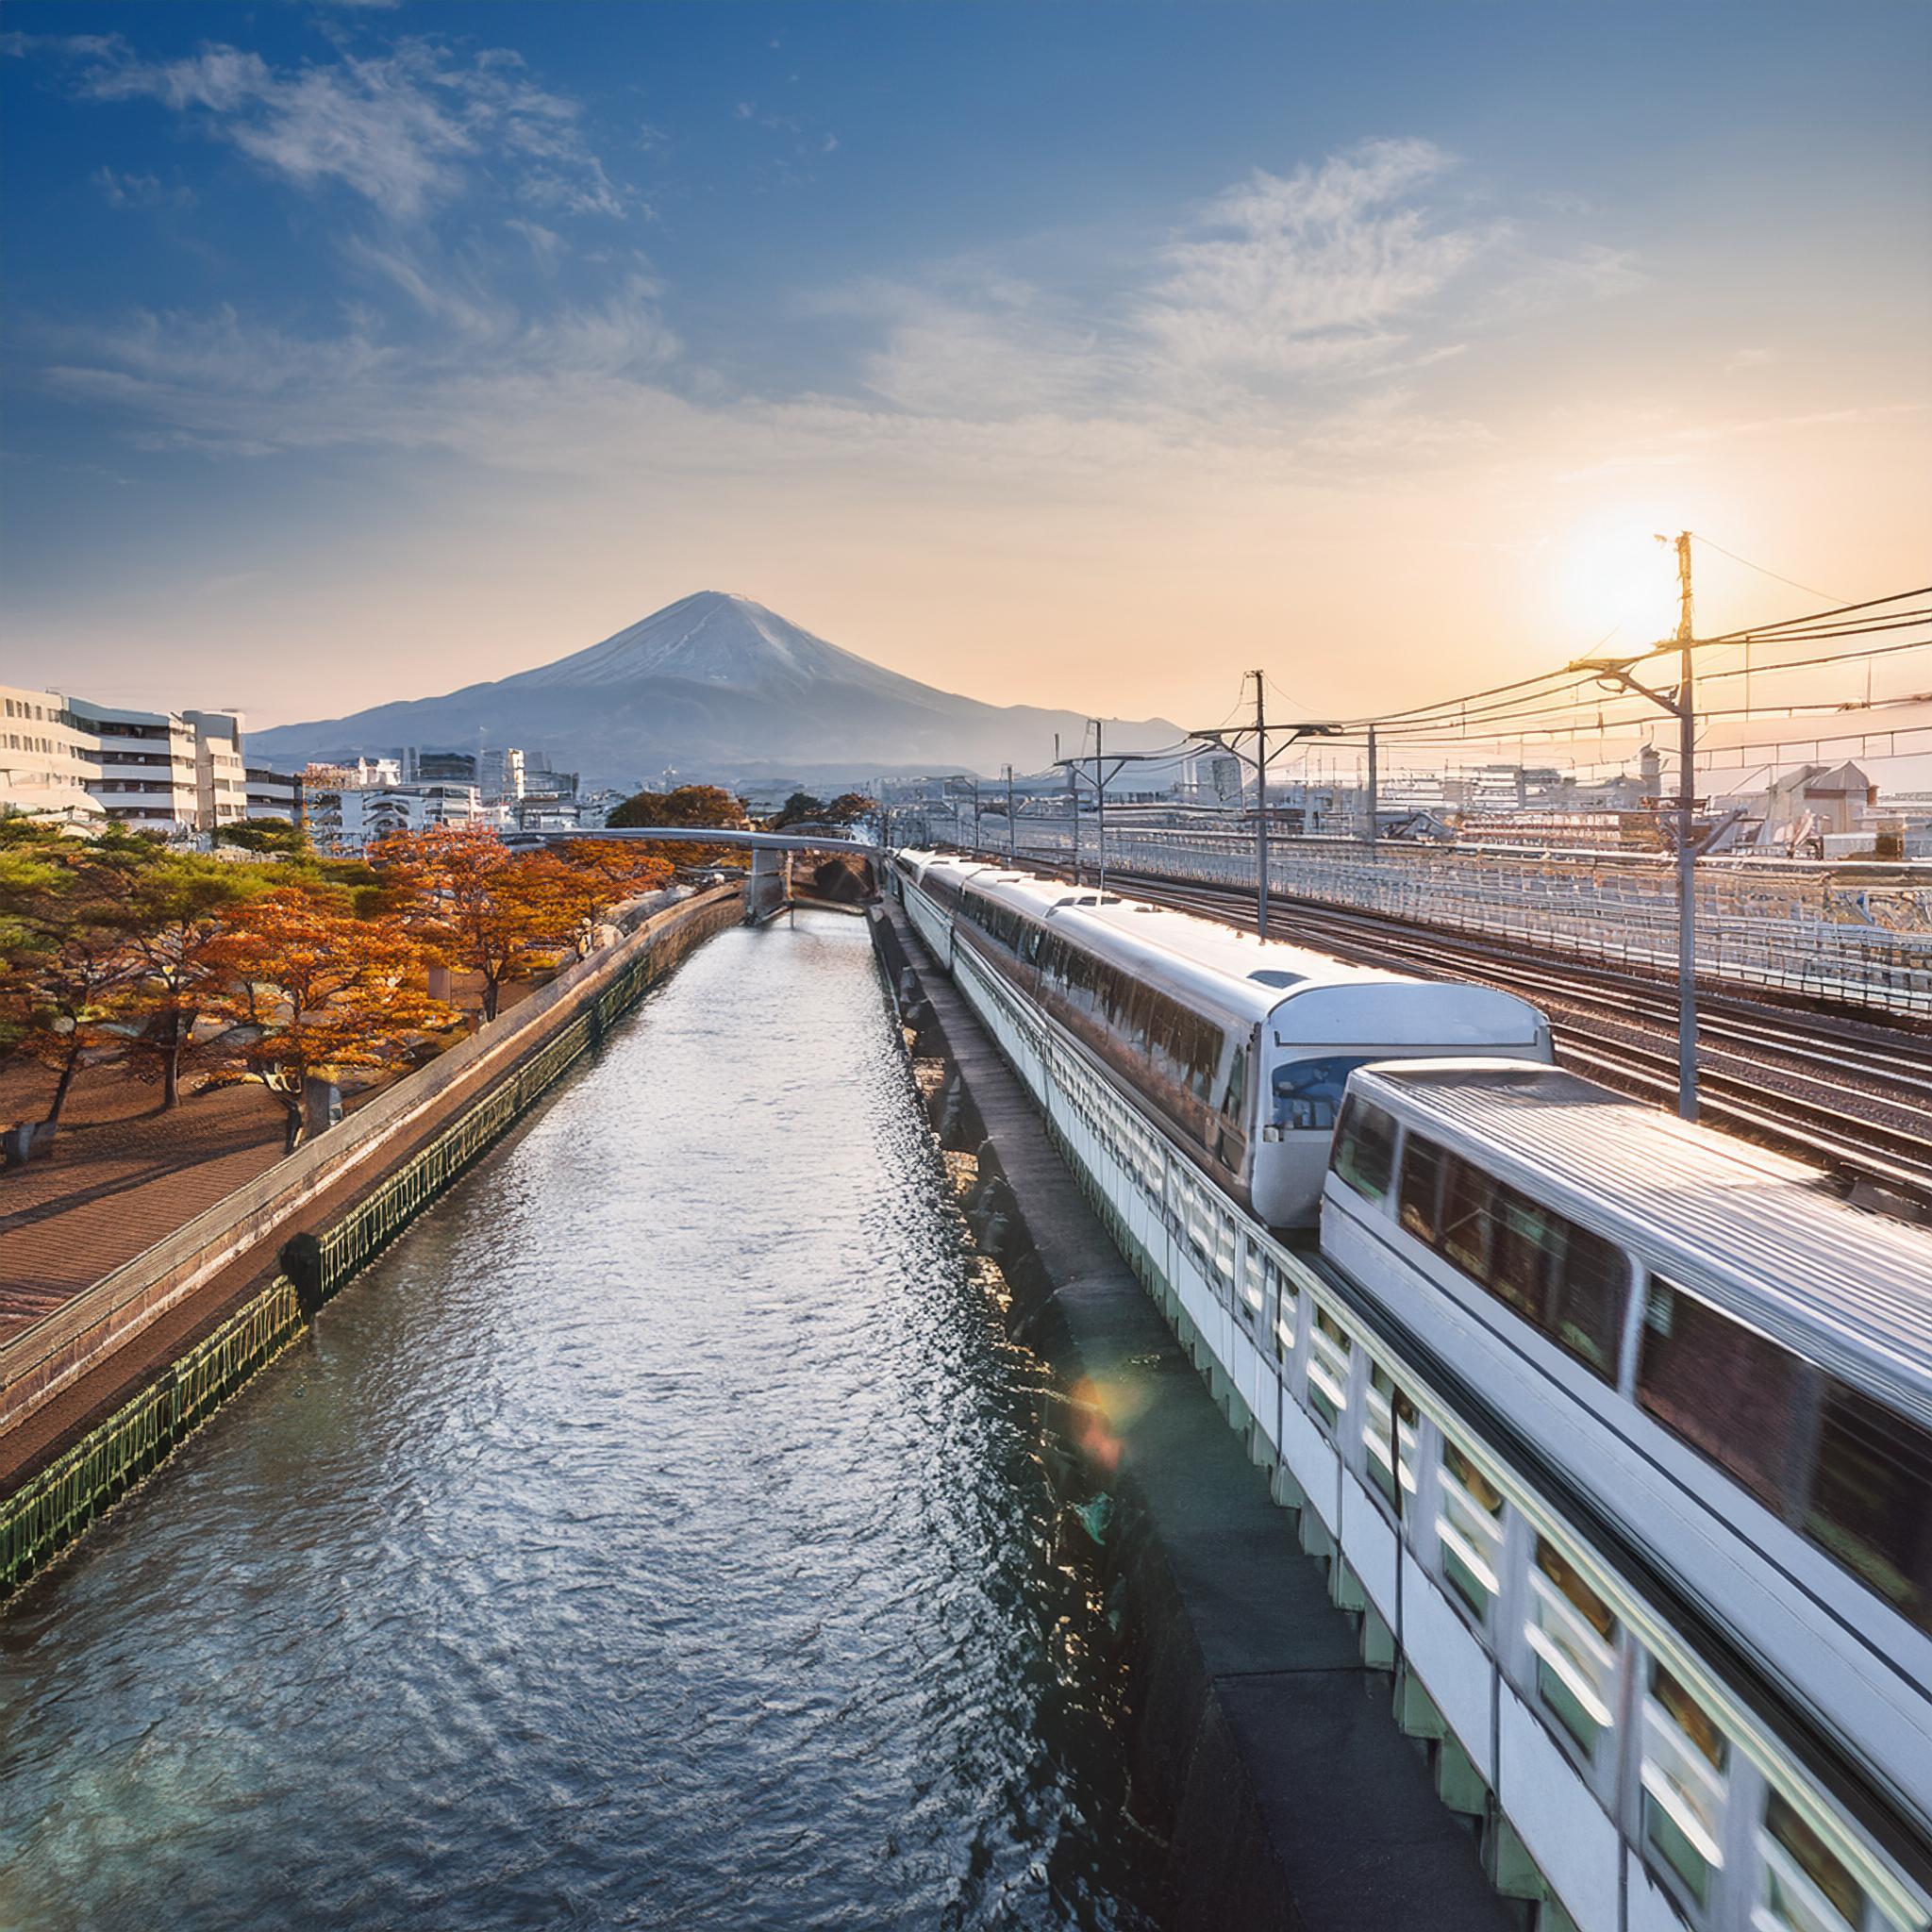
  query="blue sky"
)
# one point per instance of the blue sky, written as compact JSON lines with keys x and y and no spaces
{"x":1064,"y":353}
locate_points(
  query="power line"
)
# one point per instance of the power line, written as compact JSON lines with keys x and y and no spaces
{"x":1710,"y":543}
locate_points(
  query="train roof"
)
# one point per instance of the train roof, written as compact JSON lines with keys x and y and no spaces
{"x":1242,"y":975}
{"x":1762,"y":1237}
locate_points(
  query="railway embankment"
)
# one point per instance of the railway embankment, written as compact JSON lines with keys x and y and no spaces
{"x":1263,"y":1749}
{"x":95,"y":1396}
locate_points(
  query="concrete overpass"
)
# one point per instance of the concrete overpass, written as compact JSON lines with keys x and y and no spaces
{"x":768,"y":889}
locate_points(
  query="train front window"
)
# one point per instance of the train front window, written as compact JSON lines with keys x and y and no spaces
{"x":1308,"y":1094}
{"x":1870,"y":1501}
{"x":1365,"y":1149}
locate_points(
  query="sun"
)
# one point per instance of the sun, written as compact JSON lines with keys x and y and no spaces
{"x":1611,"y":575}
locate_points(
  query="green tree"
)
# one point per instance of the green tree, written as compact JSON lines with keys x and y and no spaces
{"x":269,"y":837}
{"x":67,"y":952}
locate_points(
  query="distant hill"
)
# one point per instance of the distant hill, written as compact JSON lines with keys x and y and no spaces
{"x":717,"y":686}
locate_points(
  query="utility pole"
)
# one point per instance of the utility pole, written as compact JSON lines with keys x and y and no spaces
{"x":1099,"y":811}
{"x":1682,"y":704}
{"x":1012,"y":824}
{"x":1372,"y":784}
{"x":1073,"y":804}
{"x":1686,"y":856}
{"x":1261,"y":806}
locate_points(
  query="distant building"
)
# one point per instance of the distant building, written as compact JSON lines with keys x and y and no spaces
{"x":351,"y":817}
{"x":500,"y":771}
{"x":44,"y":770}
{"x":595,"y":808}
{"x":440,"y":767}
{"x":272,"y":794}
{"x":363,"y":771}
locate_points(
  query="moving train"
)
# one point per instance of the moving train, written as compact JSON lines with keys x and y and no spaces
{"x":1712,"y":1371}
{"x":1735,"y":1364}
{"x":1240,"y":1047}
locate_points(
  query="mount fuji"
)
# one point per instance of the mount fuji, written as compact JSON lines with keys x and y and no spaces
{"x":716,"y":685}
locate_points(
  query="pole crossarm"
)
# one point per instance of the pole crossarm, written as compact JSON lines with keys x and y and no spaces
{"x":1608,"y":672}
{"x":1294,"y":734}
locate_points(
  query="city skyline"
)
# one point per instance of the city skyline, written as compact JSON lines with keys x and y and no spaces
{"x":1040,"y":362}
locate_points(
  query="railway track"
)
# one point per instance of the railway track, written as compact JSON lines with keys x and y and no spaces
{"x":1847,"y":1096}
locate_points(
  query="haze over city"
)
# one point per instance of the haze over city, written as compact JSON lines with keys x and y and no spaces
{"x":1067,"y":357}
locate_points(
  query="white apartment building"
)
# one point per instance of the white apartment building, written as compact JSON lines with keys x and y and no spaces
{"x":44,"y":772}
{"x":221,"y":773}
{"x":142,"y":765}
{"x":78,"y":761}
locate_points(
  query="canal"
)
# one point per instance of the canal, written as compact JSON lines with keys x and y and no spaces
{"x":652,"y":1537}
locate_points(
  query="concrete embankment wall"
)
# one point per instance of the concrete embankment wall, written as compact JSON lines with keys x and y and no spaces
{"x":1260,"y":1741}
{"x":94,"y":1396}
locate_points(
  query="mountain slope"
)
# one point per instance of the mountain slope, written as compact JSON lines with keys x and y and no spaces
{"x":712,"y":684}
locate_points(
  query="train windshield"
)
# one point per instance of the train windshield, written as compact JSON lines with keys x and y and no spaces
{"x":1308,"y":1094}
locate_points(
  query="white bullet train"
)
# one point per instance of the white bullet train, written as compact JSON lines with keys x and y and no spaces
{"x":1239,"y":1046}
{"x":1735,"y":1366}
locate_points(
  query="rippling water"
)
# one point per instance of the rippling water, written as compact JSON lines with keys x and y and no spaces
{"x":652,"y":1538}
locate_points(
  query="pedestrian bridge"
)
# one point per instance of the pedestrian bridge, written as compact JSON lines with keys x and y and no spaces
{"x":830,"y":840}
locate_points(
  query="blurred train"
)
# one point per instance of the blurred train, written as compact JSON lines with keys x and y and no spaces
{"x":1733,"y":1364}
{"x":1239,"y":1046}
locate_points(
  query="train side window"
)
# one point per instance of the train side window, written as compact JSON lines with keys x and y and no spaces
{"x":1237,"y":1084}
{"x":1685,"y":1787}
{"x":1470,"y":1527}
{"x":1586,"y":1313}
{"x":1421,"y":1187}
{"x":1573,"y":1634}
{"x":1389,"y":1434}
{"x":1524,"y":1241}
{"x":1871,"y":1500}
{"x":1329,"y":1350}
{"x":1806,"y":1887}
{"x":1728,"y":1391}
{"x":1365,"y":1149}
{"x":1469,"y":1199}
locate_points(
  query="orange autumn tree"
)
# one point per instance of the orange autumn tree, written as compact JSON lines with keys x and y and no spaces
{"x":311,"y":989}
{"x":476,"y":905}
{"x":597,"y":874}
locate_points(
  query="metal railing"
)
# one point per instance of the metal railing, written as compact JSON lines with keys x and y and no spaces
{"x":54,"y":1351}
{"x":1854,"y":936}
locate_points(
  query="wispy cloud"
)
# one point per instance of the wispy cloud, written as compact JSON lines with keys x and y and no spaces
{"x":1286,"y":330}
{"x":407,"y":130}
{"x":141,"y":190}
{"x":1308,"y":270}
